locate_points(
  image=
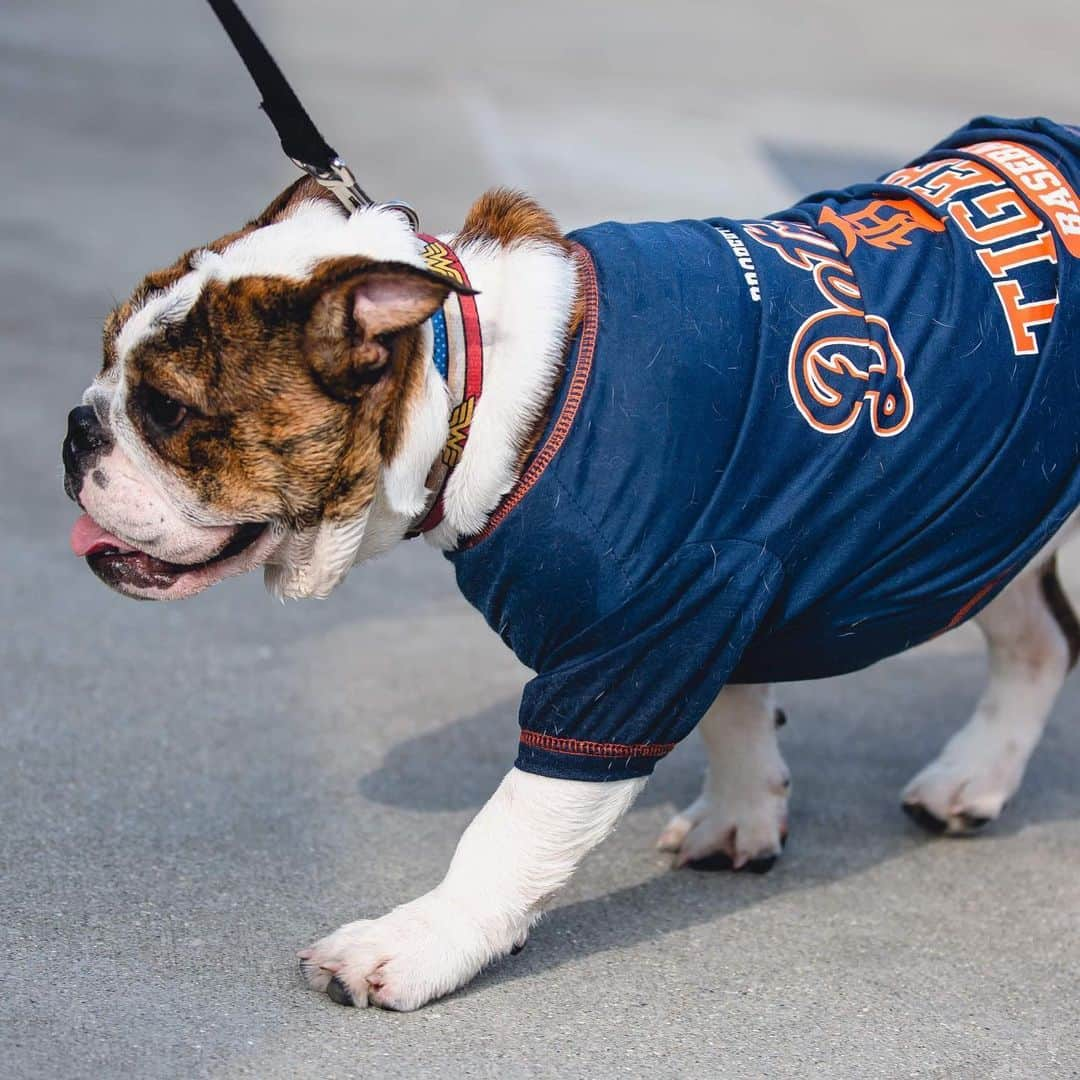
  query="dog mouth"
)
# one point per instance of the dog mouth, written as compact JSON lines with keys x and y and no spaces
{"x":136,"y":573}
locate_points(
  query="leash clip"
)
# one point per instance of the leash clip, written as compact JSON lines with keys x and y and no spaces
{"x":338,"y":178}
{"x":298,"y":135}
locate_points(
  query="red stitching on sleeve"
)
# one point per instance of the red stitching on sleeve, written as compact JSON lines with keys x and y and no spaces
{"x":584,"y":748}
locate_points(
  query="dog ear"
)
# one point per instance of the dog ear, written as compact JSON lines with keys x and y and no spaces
{"x":357,"y":308}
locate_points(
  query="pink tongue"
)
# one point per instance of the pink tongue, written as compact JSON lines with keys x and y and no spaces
{"x":88,"y":537}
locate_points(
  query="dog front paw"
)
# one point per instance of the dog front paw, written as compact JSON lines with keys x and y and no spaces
{"x":738,"y":832}
{"x":418,"y":952}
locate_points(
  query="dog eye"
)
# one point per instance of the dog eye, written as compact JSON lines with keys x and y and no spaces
{"x":164,"y":412}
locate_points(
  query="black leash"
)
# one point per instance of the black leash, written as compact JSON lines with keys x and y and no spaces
{"x":300,"y":138}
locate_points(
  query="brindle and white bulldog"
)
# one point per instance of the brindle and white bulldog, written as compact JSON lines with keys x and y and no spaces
{"x":271,"y":400}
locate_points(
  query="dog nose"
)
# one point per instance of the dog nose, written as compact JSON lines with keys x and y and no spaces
{"x":84,"y":440}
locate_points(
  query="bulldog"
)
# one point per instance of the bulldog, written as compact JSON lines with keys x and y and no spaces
{"x":671,"y":463}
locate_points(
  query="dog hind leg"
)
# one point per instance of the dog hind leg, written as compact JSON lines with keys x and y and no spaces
{"x":740,"y":819}
{"x":1033,"y":638}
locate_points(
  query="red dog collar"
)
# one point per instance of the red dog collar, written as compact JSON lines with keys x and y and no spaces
{"x":442,"y":259}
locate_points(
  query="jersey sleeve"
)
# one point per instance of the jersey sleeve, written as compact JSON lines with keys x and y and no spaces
{"x":619,"y":695}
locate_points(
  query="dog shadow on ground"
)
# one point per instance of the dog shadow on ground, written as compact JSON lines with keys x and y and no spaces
{"x":851,"y":744}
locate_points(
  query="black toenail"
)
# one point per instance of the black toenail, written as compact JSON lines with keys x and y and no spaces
{"x":781,"y":717}
{"x":973,"y":821}
{"x":338,"y":992}
{"x":922,"y":817}
{"x":761,"y":865}
{"x":518,"y":947}
{"x":718,"y":860}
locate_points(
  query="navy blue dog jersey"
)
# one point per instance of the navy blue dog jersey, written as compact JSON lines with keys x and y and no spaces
{"x":787,"y":448}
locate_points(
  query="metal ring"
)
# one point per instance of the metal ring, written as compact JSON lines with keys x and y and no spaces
{"x":406,"y":210}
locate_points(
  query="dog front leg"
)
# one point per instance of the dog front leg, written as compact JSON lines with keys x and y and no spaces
{"x":740,"y":819}
{"x":522,"y":846}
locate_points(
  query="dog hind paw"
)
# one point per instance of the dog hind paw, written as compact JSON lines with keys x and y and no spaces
{"x":961,"y":824}
{"x":950,"y":800}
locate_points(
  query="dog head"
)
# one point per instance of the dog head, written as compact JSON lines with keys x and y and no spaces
{"x":253,"y":403}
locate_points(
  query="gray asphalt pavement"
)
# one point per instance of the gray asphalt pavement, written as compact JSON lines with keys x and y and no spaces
{"x":189,"y":793}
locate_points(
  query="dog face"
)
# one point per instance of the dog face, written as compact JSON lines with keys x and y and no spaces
{"x":249,"y":399}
